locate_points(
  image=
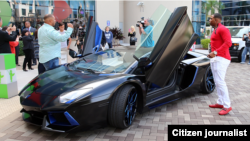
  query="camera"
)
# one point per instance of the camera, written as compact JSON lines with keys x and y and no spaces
{"x":141,"y":22}
{"x":81,"y":33}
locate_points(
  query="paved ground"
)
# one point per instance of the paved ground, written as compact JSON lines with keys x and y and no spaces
{"x":150,"y":126}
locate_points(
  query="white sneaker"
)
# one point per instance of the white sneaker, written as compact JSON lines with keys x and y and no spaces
{"x":242,"y":62}
{"x":248,"y":63}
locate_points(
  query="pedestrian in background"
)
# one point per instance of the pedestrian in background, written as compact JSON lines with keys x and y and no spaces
{"x":246,"y":49}
{"x":1,"y":23}
{"x":109,"y":36}
{"x":13,"y":44}
{"x":49,"y":41}
{"x":131,"y":34}
{"x":28,"y":49}
{"x":219,"y":62}
{"x":5,"y":38}
{"x":41,"y":68}
{"x":32,"y":31}
{"x":64,"y":45}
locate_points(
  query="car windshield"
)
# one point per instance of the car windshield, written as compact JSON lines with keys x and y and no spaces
{"x":147,"y":42}
{"x":237,"y":32}
{"x":108,"y":61}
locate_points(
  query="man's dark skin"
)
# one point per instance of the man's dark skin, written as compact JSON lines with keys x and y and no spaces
{"x":246,"y":34}
{"x":214,"y":23}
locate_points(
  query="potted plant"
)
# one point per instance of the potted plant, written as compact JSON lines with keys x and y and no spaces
{"x":117,"y":34}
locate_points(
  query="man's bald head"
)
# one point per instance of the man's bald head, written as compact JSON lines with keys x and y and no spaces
{"x":218,"y":16}
{"x":215,"y":19}
{"x":49,"y":19}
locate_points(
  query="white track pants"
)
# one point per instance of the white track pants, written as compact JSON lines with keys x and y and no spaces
{"x":219,"y":67}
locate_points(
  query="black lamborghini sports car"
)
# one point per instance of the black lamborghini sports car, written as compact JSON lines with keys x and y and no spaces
{"x":109,"y":87}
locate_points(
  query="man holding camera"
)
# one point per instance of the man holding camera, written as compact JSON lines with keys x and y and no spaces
{"x":80,"y":39}
{"x":246,"y":49}
{"x":144,"y":32}
{"x":5,"y":38}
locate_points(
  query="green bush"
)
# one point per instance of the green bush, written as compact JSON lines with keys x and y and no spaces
{"x":205,"y":43}
{"x":21,"y":53}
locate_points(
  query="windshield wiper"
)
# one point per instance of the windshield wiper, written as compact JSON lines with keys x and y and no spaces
{"x":84,"y":69}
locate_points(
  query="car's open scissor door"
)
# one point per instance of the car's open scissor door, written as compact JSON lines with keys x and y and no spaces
{"x":92,"y":37}
{"x":173,"y":43}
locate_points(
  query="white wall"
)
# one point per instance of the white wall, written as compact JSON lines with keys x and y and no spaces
{"x":128,"y":13}
{"x":107,"y":10}
{"x":133,"y":13}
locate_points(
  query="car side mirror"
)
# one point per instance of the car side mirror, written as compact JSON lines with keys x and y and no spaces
{"x":144,"y":62}
{"x":73,"y":54}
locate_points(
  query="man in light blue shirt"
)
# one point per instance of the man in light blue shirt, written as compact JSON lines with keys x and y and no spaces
{"x":50,"y":40}
{"x":146,"y":39}
{"x":144,"y":32}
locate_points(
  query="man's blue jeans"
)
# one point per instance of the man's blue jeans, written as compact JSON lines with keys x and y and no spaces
{"x":244,"y":53}
{"x":51,"y":64}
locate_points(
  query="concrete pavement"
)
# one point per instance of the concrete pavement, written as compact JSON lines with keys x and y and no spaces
{"x":149,"y":126}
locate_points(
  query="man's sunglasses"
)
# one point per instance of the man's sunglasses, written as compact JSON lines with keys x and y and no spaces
{"x":208,"y":19}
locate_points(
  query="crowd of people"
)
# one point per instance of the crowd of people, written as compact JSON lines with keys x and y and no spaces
{"x":44,"y":45}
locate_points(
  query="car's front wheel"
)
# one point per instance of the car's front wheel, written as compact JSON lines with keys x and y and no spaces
{"x":122,"y":107}
{"x":208,"y":84}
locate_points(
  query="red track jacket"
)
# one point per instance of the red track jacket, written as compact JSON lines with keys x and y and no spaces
{"x":221,"y":41}
{"x":13,"y":45}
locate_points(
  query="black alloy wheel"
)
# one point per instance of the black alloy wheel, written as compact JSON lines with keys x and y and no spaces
{"x":208,"y":84}
{"x":123,"y":107}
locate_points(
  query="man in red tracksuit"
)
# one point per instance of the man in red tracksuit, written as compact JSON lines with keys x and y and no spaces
{"x":220,"y":60}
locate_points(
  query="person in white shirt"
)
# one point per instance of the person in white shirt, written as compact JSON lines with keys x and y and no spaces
{"x":64,"y":45}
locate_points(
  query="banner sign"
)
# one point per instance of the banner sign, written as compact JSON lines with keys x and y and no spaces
{"x":108,"y":23}
{"x":208,"y":132}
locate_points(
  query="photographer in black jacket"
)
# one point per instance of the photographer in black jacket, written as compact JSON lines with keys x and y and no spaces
{"x":80,"y":39}
{"x":5,"y":38}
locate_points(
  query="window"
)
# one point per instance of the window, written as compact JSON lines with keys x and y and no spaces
{"x":39,"y":12}
{"x":74,"y":14}
{"x":24,"y":12}
{"x":30,"y":9}
{"x":52,"y":10}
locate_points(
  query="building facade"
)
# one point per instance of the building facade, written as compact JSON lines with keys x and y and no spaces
{"x":236,"y":13}
{"x":115,"y":13}
{"x":18,"y":11}
{"x":199,"y":18}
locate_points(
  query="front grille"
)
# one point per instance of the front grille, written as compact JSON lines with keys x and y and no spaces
{"x":37,"y":115}
{"x":60,"y":118}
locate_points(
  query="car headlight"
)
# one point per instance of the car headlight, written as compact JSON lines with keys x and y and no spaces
{"x":236,"y":44}
{"x":72,"y":96}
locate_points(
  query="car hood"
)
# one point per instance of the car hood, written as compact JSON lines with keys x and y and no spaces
{"x":236,"y":40}
{"x":62,"y":80}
